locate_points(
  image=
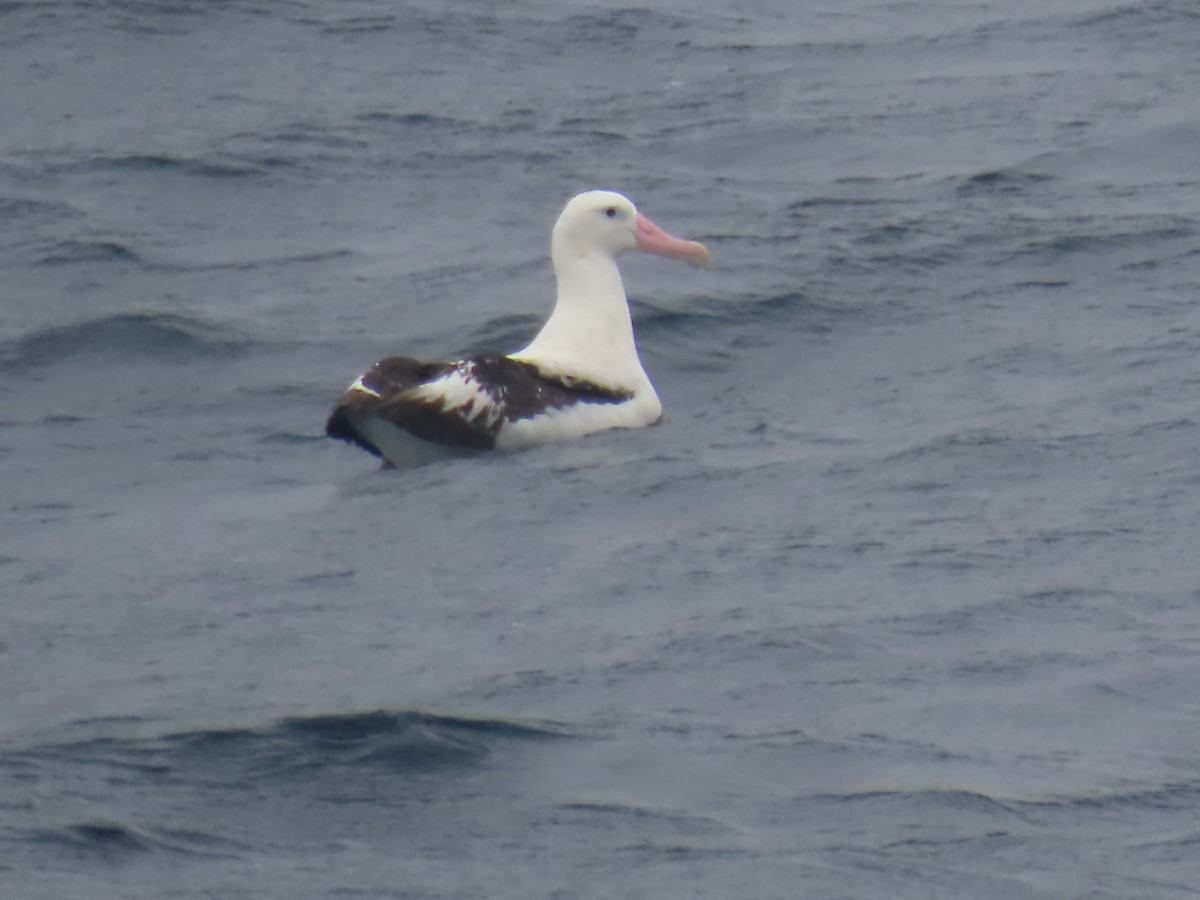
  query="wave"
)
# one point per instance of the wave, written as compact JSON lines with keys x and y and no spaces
{"x":128,"y":336}
{"x":147,"y":794}
{"x":249,"y":265}
{"x":362,"y":24}
{"x":398,"y":741}
{"x":413,"y":119}
{"x":636,"y":812}
{"x":76,"y":251}
{"x":944,"y":797}
{"x":798,"y":208}
{"x":610,"y":28}
{"x":1125,"y":15}
{"x":961,"y":440}
{"x":1009,"y":181}
{"x":1177,"y":796}
{"x":114,"y":841}
{"x":1182,"y":795}
{"x":723,"y":328}
{"x":1143,"y":233}
{"x":14,"y":208}
{"x":149,"y":163}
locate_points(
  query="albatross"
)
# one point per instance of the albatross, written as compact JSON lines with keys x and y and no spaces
{"x":579,"y":375}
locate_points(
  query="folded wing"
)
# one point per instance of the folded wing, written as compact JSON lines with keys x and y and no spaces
{"x":463,"y":404}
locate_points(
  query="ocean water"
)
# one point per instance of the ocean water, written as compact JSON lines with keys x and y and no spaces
{"x":901,"y":599}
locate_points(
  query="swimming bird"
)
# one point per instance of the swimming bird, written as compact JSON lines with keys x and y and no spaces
{"x":579,"y":375}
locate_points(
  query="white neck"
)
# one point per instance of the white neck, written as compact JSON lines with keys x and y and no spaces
{"x":589,"y":335}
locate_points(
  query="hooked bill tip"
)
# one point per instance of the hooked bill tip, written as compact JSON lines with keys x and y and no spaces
{"x":698,"y":255}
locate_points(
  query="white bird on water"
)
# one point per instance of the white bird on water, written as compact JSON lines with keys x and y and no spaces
{"x":580,"y":374}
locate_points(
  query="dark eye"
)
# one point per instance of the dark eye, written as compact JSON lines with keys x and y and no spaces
{"x":611,"y":212}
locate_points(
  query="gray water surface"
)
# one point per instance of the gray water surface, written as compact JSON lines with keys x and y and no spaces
{"x":899,"y":600}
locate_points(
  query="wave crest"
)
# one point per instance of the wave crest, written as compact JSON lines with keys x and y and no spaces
{"x":130,"y":336}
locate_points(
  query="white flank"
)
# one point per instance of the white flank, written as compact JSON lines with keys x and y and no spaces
{"x":402,"y":448}
{"x":578,"y":420}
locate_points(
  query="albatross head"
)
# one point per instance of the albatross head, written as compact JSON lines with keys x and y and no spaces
{"x":589,"y":335}
{"x":607,"y":222}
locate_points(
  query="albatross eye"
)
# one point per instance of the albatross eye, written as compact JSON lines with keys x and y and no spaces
{"x":611,"y":212}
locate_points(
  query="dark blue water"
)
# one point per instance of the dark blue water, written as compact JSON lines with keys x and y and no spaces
{"x":901,"y":599}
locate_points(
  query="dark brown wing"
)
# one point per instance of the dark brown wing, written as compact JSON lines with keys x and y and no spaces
{"x":458,"y":404}
{"x":527,"y":392}
{"x":374,"y":391}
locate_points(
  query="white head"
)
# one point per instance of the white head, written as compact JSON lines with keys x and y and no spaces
{"x":608,"y":223}
{"x":589,"y":335}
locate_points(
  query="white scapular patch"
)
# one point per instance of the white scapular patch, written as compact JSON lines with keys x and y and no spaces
{"x":460,"y":391}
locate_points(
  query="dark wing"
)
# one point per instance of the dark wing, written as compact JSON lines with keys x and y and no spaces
{"x":527,"y":392}
{"x":399,"y":373}
{"x":381,"y":393}
{"x":457,"y":404}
